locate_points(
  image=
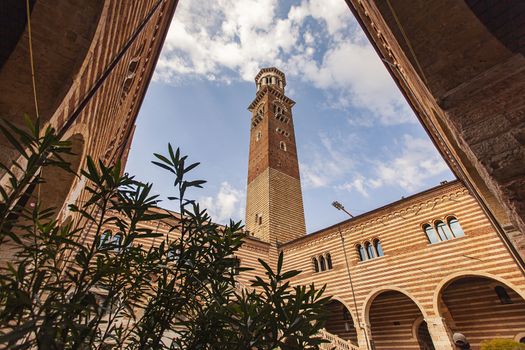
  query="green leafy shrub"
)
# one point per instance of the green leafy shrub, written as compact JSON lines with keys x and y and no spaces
{"x":501,"y":344}
{"x":64,"y":292}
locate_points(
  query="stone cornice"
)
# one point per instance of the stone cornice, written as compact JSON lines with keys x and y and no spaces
{"x":254,"y":244}
{"x":268,"y":89}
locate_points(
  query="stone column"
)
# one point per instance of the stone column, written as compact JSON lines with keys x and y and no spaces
{"x":440,"y":334}
{"x":364,"y":335}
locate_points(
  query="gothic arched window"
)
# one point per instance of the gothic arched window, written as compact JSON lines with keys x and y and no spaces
{"x":370,"y":250}
{"x":443,"y":231}
{"x":260,"y":111}
{"x":117,"y":242}
{"x":431,"y":234}
{"x":258,"y":137}
{"x":328,"y":261}
{"x":322,"y":263}
{"x":105,"y":238}
{"x":282,"y":145}
{"x":258,"y":219}
{"x":378,"y":248}
{"x":315,"y":264}
{"x":361,"y":251}
{"x":455,"y":227}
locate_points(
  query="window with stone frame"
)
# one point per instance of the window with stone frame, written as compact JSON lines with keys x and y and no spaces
{"x":378,"y":248}
{"x":328,"y":261}
{"x":443,"y":230}
{"x":315,"y":264}
{"x":322,"y":263}
{"x":361,"y":252}
{"x":369,"y":250}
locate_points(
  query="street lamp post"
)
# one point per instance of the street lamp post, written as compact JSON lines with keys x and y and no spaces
{"x":339,"y":206}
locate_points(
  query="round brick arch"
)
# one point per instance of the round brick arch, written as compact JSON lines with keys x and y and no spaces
{"x":351,"y":314}
{"x":375,"y":293}
{"x":391,"y":319}
{"x":351,"y":310}
{"x":481,"y":306}
{"x":444,"y":283}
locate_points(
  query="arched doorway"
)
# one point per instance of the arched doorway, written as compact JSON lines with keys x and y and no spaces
{"x":482,"y":308}
{"x":396,"y":322}
{"x":340,"y":321}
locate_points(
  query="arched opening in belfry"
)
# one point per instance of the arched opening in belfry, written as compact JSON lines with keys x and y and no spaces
{"x":340,"y":322}
{"x":61,"y":35}
{"x":395,"y":323}
{"x":482,"y":309}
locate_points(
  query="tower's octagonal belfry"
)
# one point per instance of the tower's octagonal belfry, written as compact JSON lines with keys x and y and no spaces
{"x":272,"y":77}
{"x":274,"y":201}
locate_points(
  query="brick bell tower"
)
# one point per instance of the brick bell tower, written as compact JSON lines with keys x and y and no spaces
{"x":274,"y":202}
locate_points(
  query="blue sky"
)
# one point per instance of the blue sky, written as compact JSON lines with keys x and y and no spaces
{"x":358,"y":141}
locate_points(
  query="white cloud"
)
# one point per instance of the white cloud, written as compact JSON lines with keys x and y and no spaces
{"x":418,"y":162}
{"x":228,"y":203}
{"x":229,"y":40}
{"x":333,"y":163}
{"x":335,"y":14}
{"x":236,"y":35}
{"x":355,"y":76}
{"x":313,"y":176}
{"x":329,"y":161}
{"x":357,"y":184}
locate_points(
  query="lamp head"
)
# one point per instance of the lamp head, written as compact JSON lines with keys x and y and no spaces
{"x":337,"y":205}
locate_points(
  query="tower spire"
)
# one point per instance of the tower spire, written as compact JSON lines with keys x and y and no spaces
{"x":274,"y":202}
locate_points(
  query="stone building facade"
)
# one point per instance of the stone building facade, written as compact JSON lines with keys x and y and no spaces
{"x":412,"y":273}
